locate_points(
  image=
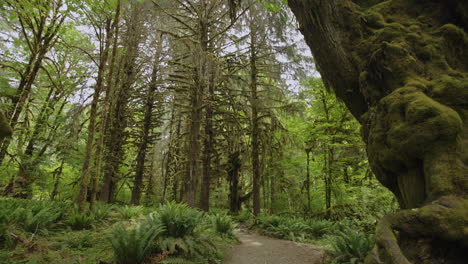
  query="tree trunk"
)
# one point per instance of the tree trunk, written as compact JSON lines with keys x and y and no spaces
{"x":84,"y":181}
{"x":254,"y":119}
{"x":116,"y":135}
{"x":57,"y":173}
{"x":234,"y":166}
{"x":401,"y":67}
{"x":146,"y":133}
{"x":105,"y":113}
{"x":207,"y":148}
{"x":308,"y":180}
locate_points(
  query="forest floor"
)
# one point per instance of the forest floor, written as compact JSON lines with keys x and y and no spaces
{"x":258,"y":249}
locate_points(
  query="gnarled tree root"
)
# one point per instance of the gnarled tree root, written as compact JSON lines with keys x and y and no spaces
{"x":435,"y":233}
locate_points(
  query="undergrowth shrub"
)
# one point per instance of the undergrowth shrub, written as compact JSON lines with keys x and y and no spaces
{"x":5,"y":236}
{"x":294,"y":229}
{"x":76,"y":240}
{"x":36,"y":220}
{"x":129,"y":212}
{"x":80,"y":221}
{"x":223,"y":225}
{"x":132,"y":246}
{"x":178,"y":219}
{"x":243,"y":217}
{"x":351,"y":246}
{"x":192,"y":247}
{"x":101,"y":212}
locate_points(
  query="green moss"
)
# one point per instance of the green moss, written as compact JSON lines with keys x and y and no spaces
{"x":450,"y":90}
{"x":374,"y":19}
{"x":454,"y":34}
{"x":392,"y":32}
{"x":5,"y":129}
{"x":423,"y":122}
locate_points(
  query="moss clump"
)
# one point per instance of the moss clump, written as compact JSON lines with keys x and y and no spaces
{"x":452,"y":91}
{"x":417,"y":122}
{"x":5,"y":129}
{"x":374,"y":19}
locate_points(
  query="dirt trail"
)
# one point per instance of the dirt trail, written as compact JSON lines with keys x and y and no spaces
{"x":257,"y":249}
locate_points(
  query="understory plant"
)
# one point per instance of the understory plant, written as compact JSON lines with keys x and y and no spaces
{"x":80,"y":221}
{"x":351,"y":246}
{"x":129,"y":212}
{"x":178,"y":220}
{"x":294,"y":229}
{"x":133,"y":245}
{"x":223,"y":225}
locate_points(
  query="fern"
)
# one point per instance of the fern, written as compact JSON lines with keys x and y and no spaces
{"x":352,"y":246}
{"x":129,"y":212}
{"x":193,"y":247}
{"x":80,"y":221}
{"x":223,"y":225}
{"x":134,"y":245}
{"x":178,"y":219}
{"x":33,"y":220}
{"x":101,"y":212}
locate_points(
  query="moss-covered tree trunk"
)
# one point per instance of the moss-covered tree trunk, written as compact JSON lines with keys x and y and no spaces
{"x":401,"y":67}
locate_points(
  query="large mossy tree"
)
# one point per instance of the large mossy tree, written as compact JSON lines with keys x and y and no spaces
{"x":401,"y":67}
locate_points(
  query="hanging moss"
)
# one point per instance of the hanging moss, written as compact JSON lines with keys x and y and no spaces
{"x":5,"y":129}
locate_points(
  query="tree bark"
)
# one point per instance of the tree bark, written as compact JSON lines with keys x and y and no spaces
{"x":234,"y":165}
{"x":84,"y":180}
{"x":57,"y":173}
{"x":401,"y":67}
{"x":308,"y":180}
{"x":147,"y":128}
{"x":208,"y":147}
{"x":254,"y":119}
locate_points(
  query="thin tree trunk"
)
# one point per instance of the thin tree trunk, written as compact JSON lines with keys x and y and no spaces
{"x":208,"y":149}
{"x":146,"y":133}
{"x":106,"y":112}
{"x":308,"y":181}
{"x":57,"y":175}
{"x":84,"y":181}
{"x":233,"y":176}
{"x":254,"y":119}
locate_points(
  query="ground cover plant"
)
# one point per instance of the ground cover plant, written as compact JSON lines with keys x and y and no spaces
{"x":53,"y":232}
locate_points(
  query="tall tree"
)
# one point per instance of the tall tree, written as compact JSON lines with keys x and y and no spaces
{"x":153,"y":100}
{"x":403,"y":76}
{"x":254,"y":118}
{"x":110,"y":22}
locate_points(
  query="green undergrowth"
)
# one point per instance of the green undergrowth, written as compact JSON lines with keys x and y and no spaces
{"x":33,"y":231}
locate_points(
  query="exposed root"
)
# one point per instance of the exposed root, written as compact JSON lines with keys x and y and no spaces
{"x":438,"y":233}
